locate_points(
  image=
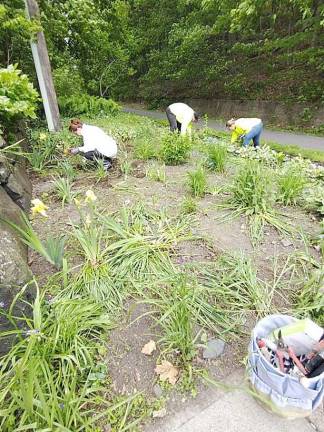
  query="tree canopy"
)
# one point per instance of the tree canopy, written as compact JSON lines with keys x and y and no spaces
{"x":158,"y":51}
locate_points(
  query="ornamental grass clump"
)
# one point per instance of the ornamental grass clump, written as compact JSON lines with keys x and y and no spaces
{"x":45,"y":379}
{"x":140,"y":242}
{"x":291,"y":185}
{"x":174,"y":318}
{"x":197,"y":182}
{"x":216,"y":157}
{"x":252,"y":195}
{"x":63,"y":189}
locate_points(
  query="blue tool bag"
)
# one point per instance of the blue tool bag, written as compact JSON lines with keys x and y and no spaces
{"x":282,"y":393}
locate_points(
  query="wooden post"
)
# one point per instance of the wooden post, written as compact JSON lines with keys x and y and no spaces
{"x":44,"y":73}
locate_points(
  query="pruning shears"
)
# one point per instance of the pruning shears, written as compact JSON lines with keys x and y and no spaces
{"x":284,"y":351}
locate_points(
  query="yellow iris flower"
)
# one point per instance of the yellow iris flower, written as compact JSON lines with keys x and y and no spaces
{"x":39,"y":207}
{"x":90,"y":196}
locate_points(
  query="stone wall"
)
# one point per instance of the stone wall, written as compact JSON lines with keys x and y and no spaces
{"x":274,"y":113}
{"x":15,"y":196}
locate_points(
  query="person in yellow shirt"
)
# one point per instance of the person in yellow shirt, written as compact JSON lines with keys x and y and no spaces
{"x":180,"y":116}
{"x":245,"y":129}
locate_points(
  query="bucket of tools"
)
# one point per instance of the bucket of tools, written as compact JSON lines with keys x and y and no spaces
{"x":279,"y":363}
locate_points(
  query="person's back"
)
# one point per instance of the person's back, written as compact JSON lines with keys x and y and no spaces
{"x":180,"y":115}
{"x":247,"y":123}
{"x":95,"y":138}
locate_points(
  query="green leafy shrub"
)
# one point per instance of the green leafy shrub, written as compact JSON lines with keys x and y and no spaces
{"x":197,"y":182}
{"x":291,"y":184}
{"x":18,"y":98}
{"x":68,"y":81}
{"x":90,"y":106}
{"x":175,"y":149}
{"x":145,"y":149}
{"x":217,"y":155}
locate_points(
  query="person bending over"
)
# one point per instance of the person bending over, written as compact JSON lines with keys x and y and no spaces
{"x":245,"y":129}
{"x":180,"y":116}
{"x":96,"y":143}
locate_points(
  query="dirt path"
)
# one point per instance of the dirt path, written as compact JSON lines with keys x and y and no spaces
{"x":284,"y":138}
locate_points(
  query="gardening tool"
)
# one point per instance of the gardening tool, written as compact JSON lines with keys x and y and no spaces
{"x":282,"y":351}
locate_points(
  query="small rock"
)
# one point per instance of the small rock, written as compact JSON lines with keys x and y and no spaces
{"x":107,"y":428}
{"x":214,"y":348}
{"x":286,"y":242}
{"x":160,"y":413}
{"x":157,"y":389}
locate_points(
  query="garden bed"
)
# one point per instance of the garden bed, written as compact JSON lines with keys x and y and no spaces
{"x":173,"y":258}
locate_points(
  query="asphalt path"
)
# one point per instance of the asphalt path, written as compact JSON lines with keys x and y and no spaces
{"x":285,"y":138}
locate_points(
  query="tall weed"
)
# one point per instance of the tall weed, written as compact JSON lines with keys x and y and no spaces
{"x":175,"y":149}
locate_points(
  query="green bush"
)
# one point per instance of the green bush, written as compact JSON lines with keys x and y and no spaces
{"x":90,"y":106}
{"x":175,"y":149}
{"x":18,"y":98}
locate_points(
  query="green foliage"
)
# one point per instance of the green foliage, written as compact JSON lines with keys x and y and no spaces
{"x":90,"y":106}
{"x":291,"y":184}
{"x":197,"y":182}
{"x":314,"y":198}
{"x":175,"y":149}
{"x":309,"y":299}
{"x":188,"y":205}
{"x":52,"y":249}
{"x":68,"y":82}
{"x":252,"y":195}
{"x":175,"y":318}
{"x":145,"y":150}
{"x":63,"y":189}
{"x":252,"y":189}
{"x":48,"y":149}
{"x":18,"y":98}
{"x":45,"y":379}
{"x":156,"y":172}
{"x":217,"y":155}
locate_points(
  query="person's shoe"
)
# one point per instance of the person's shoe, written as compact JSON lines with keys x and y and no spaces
{"x":107,"y":165}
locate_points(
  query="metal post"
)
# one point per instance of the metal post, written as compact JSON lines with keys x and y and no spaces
{"x":44,"y":73}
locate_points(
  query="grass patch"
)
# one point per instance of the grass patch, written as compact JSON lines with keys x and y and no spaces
{"x":252,"y":195}
{"x":291,"y":185}
{"x":197,"y":182}
{"x":216,"y":157}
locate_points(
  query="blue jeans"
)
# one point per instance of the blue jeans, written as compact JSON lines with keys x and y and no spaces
{"x":254,"y":134}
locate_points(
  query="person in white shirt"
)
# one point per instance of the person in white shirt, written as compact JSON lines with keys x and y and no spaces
{"x":180,"y":116}
{"x":245,"y":129}
{"x":96,"y":143}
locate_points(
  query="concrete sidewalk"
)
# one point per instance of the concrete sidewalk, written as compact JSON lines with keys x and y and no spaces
{"x":286,"y":138}
{"x":237,"y":411}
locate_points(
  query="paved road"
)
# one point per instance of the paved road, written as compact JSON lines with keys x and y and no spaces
{"x":237,"y":411}
{"x":288,"y":138}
